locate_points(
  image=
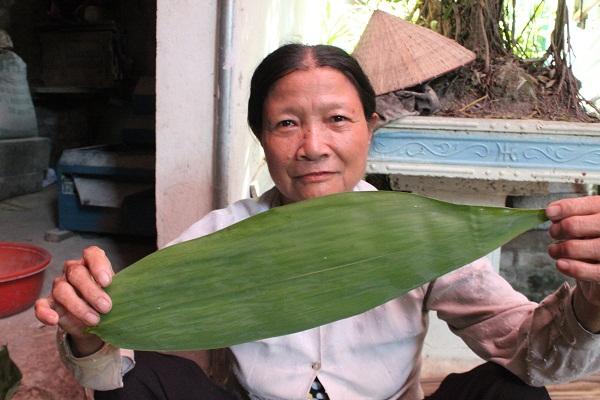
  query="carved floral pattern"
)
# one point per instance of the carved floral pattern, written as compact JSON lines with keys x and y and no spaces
{"x":563,"y":154}
{"x":500,"y":152}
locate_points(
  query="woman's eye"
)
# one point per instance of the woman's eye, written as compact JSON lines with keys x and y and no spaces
{"x":338,"y":118}
{"x":286,"y":123}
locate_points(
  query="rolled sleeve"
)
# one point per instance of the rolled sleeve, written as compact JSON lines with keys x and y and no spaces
{"x":102,"y":370}
{"x":541,"y":343}
{"x":581,"y":335}
{"x":560,"y":348}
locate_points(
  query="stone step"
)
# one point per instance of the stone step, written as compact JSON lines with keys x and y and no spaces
{"x":23,"y":156}
{"x":23,"y":164}
{"x":16,"y":185}
{"x":583,"y":389}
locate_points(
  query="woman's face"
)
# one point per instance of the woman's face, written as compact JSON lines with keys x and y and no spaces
{"x":315,"y":134}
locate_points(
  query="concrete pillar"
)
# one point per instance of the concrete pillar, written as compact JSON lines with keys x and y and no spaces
{"x":185,"y":96}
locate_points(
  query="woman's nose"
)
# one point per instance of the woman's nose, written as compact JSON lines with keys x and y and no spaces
{"x":314,"y":145}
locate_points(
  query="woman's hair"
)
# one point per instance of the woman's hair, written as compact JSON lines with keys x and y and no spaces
{"x":293,"y":57}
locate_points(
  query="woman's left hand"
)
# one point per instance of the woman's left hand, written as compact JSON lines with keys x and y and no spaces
{"x":576,"y":227}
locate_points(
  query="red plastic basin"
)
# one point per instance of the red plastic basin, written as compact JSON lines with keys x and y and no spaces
{"x":22,"y":269}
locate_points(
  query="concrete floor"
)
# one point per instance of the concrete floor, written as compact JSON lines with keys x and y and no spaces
{"x":31,"y":344}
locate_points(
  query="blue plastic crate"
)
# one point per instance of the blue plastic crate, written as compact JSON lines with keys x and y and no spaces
{"x":129,"y":171}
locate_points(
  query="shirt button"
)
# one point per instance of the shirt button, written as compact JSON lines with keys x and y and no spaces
{"x":316,"y":365}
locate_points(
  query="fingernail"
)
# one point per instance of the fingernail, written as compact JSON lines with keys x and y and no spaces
{"x":553,"y":211}
{"x":103,"y":304}
{"x":92,"y":318}
{"x":104,"y":278}
{"x":562,"y":265}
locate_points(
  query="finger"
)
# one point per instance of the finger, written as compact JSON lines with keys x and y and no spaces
{"x":44,"y":312}
{"x":585,"y":250}
{"x":579,"y":270}
{"x":576,"y":227}
{"x":79,"y":277}
{"x":67,"y":297}
{"x":99,"y":265}
{"x":560,"y":209}
{"x":72,"y":325}
{"x":68,"y":322}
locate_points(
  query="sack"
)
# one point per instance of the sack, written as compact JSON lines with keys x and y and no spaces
{"x":17,"y":114}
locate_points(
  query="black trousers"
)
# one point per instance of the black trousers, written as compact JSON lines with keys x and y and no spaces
{"x":488,"y":381}
{"x":165,"y":377}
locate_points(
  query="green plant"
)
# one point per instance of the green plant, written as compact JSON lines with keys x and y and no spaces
{"x":298,"y":266}
{"x":10,"y":375}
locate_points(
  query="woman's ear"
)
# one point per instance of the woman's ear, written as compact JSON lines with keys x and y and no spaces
{"x":372,"y":122}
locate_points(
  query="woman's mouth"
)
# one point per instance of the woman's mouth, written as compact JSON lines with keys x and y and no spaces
{"x":316,"y":177}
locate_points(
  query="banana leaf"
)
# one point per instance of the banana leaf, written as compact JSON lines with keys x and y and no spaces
{"x":298,"y":266}
{"x":10,"y":375}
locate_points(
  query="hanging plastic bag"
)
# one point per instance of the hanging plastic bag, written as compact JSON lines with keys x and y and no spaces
{"x":17,"y":114}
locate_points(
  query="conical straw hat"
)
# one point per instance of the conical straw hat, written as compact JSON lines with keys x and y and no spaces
{"x":396,"y":54}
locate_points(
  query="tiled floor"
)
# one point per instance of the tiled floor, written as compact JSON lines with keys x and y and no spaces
{"x":32,"y":345}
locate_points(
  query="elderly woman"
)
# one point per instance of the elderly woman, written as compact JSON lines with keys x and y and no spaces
{"x":313,"y":110}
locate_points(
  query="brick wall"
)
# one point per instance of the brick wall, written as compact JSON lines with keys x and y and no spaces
{"x":526,"y":265}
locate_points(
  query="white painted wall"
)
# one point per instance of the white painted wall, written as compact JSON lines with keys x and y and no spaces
{"x":186,"y":61}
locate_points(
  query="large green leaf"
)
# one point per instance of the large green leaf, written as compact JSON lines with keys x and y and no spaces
{"x":10,"y":376}
{"x":298,"y":266}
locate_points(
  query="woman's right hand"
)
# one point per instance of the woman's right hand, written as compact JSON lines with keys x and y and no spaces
{"x":77,"y":299}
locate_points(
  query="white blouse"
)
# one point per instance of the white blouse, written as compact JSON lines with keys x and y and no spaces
{"x":377,"y":354}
